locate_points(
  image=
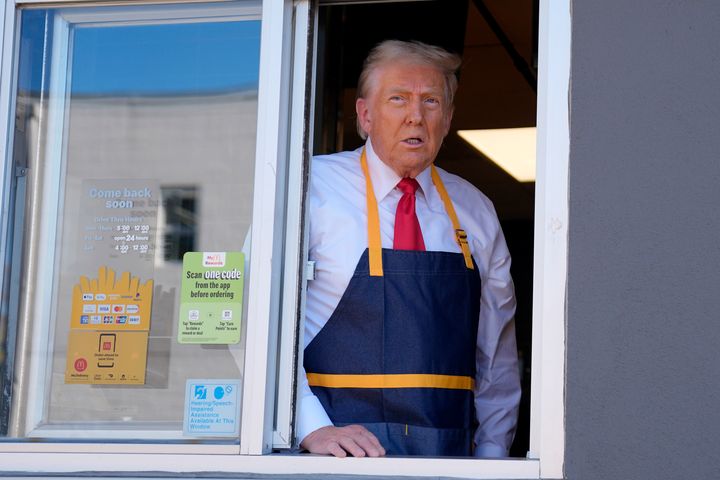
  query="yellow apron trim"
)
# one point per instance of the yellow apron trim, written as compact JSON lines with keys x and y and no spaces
{"x":460,"y":235}
{"x":410,"y":380}
{"x":374,"y":241}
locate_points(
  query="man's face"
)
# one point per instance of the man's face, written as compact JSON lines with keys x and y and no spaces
{"x":406,"y":115}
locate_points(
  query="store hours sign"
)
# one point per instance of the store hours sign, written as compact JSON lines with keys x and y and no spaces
{"x":118,"y":220}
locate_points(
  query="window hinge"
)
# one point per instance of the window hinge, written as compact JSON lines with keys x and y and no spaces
{"x":310,"y":270}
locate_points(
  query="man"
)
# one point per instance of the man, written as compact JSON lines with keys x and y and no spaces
{"x":409,"y":331}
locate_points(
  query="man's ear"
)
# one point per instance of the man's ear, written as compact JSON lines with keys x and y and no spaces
{"x":363,"y":114}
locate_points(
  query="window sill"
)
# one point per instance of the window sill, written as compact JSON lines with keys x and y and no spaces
{"x":135,"y":464}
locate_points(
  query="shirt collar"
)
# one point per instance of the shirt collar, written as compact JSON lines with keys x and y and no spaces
{"x":384,"y":178}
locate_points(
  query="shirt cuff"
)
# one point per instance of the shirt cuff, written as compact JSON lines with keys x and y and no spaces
{"x":311,"y":416}
{"x":489,"y":450}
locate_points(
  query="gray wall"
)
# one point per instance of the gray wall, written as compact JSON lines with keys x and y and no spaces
{"x":643,"y":373}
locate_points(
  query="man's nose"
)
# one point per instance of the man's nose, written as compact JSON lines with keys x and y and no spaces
{"x":415,"y":112}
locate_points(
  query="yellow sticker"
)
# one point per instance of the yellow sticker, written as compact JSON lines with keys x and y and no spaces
{"x":109,"y":330}
{"x":106,"y":357}
{"x":110,"y":303}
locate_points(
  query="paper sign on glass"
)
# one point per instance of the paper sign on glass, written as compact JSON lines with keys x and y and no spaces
{"x":106,"y":358}
{"x":118,"y":219}
{"x":109,"y":329}
{"x":211,"y":297}
{"x":212,"y":407}
{"x":111,"y":303}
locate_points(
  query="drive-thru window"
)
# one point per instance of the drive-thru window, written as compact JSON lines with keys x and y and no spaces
{"x":153,"y":230}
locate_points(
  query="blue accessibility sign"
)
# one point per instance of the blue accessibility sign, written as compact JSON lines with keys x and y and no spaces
{"x":212,"y":408}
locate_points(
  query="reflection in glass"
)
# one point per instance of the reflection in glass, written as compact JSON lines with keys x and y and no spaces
{"x":163,"y":109}
{"x":178,"y":207}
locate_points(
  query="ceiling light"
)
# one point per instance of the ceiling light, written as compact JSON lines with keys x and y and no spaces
{"x":512,"y":149}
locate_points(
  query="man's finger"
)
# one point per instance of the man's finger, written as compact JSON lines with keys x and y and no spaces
{"x":351,"y":446}
{"x":335,"y":449}
{"x":364,"y":440}
{"x":374,"y":440}
{"x":371,"y":444}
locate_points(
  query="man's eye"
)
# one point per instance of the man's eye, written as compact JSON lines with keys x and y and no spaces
{"x":396,"y":98}
{"x":432,"y":100}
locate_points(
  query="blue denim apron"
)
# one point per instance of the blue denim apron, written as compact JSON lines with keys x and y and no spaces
{"x":398,"y":353}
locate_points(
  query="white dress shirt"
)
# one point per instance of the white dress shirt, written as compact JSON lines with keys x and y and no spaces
{"x":338,"y":237}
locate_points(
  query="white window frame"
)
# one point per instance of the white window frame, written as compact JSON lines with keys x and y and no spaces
{"x":47,"y":222}
{"x":257,"y":406}
{"x":547,"y":425}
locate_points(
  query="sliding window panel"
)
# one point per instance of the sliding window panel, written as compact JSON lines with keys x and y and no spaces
{"x":136,"y":127}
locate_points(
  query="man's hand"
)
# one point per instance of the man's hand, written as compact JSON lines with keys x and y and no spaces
{"x":339,"y":441}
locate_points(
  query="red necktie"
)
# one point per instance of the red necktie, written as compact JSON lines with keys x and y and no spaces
{"x":408,"y":235}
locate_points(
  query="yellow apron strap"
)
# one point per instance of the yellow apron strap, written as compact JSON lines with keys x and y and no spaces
{"x":374,"y":242}
{"x":460,"y":235}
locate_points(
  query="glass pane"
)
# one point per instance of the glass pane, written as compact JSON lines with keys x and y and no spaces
{"x":138,"y":127}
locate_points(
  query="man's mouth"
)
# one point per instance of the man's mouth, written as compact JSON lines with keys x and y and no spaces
{"x":413,"y":141}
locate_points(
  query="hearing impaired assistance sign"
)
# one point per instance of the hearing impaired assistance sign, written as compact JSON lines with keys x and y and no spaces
{"x":211,"y":298}
{"x":212,"y":407}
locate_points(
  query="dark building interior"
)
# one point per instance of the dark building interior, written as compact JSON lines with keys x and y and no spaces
{"x":497,"y":40}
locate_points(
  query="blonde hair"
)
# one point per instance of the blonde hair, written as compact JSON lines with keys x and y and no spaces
{"x":412,"y":52}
